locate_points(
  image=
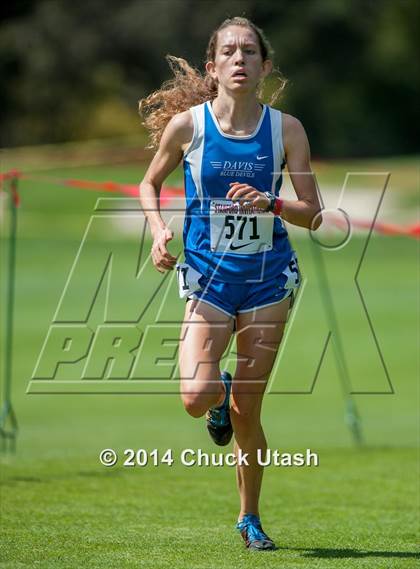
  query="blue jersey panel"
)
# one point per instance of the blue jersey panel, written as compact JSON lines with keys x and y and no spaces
{"x":212,"y":162}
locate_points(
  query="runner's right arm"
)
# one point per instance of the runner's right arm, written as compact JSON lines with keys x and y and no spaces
{"x":175,"y":138}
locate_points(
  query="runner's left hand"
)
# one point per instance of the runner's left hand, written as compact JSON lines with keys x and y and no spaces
{"x":247,"y":195}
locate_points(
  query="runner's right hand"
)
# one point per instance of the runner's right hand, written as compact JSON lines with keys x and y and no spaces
{"x":162,"y":259}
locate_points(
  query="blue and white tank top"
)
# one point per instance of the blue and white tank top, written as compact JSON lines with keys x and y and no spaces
{"x":222,"y":240}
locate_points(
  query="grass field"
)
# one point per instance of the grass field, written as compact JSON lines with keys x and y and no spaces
{"x":359,"y":508}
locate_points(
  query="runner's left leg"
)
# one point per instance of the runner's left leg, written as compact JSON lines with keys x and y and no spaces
{"x":258,"y":339}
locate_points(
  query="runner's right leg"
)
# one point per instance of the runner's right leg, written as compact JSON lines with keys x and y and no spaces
{"x":205,"y":335}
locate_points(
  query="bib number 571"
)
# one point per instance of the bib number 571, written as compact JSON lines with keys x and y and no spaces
{"x":242,"y":219}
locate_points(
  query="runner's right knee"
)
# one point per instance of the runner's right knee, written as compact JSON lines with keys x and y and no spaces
{"x":195,"y":404}
{"x":199,"y":394}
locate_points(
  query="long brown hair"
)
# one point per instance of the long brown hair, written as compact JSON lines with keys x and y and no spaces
{"x":190,"y":87}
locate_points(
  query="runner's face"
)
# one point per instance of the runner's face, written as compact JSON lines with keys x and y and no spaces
{"x":238,"y":64}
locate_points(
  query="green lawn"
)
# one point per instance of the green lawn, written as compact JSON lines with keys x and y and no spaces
{"x":360,"y":508}
{"x":357,"y":509}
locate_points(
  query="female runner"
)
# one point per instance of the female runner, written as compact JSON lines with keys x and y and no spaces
{"x":240,"y":270}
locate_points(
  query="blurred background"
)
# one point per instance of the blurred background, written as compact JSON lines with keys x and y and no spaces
{"x":352,"y":66}
{"x":72,"y":74}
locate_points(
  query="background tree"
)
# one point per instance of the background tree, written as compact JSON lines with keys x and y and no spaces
{"x":76,"y":70}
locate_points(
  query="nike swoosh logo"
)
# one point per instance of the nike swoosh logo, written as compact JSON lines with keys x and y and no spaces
{"x":234,"y":247}
{"x":261,"y":157}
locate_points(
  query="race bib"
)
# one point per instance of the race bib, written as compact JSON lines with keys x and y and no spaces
{"x":238,"y":229}
{"x":187,"y":279}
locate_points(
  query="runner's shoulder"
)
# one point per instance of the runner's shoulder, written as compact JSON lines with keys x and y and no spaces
{"x":293,"y":131}
{"x":181,"y":128}
{"x":292,"y":125}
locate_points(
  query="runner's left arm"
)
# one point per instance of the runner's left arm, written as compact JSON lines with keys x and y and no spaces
{"x":303,"y":211}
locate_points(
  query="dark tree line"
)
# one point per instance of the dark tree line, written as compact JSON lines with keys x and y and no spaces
{"x":76,"y":70}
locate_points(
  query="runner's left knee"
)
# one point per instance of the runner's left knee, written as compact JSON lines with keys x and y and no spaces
{"x":245,"y":409}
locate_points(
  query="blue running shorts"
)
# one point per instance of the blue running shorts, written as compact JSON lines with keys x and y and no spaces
{"x":233,"y":299}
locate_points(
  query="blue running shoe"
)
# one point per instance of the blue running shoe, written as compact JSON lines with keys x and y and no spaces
{"x":253,"y":534}
{"x":218,"y":418}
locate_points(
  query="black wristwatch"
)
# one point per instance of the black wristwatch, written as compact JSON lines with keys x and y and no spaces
{"x":272,"y":199}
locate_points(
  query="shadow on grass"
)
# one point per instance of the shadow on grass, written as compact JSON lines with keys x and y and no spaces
{"x":324,"y":553}
{"x":11,"y":480}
